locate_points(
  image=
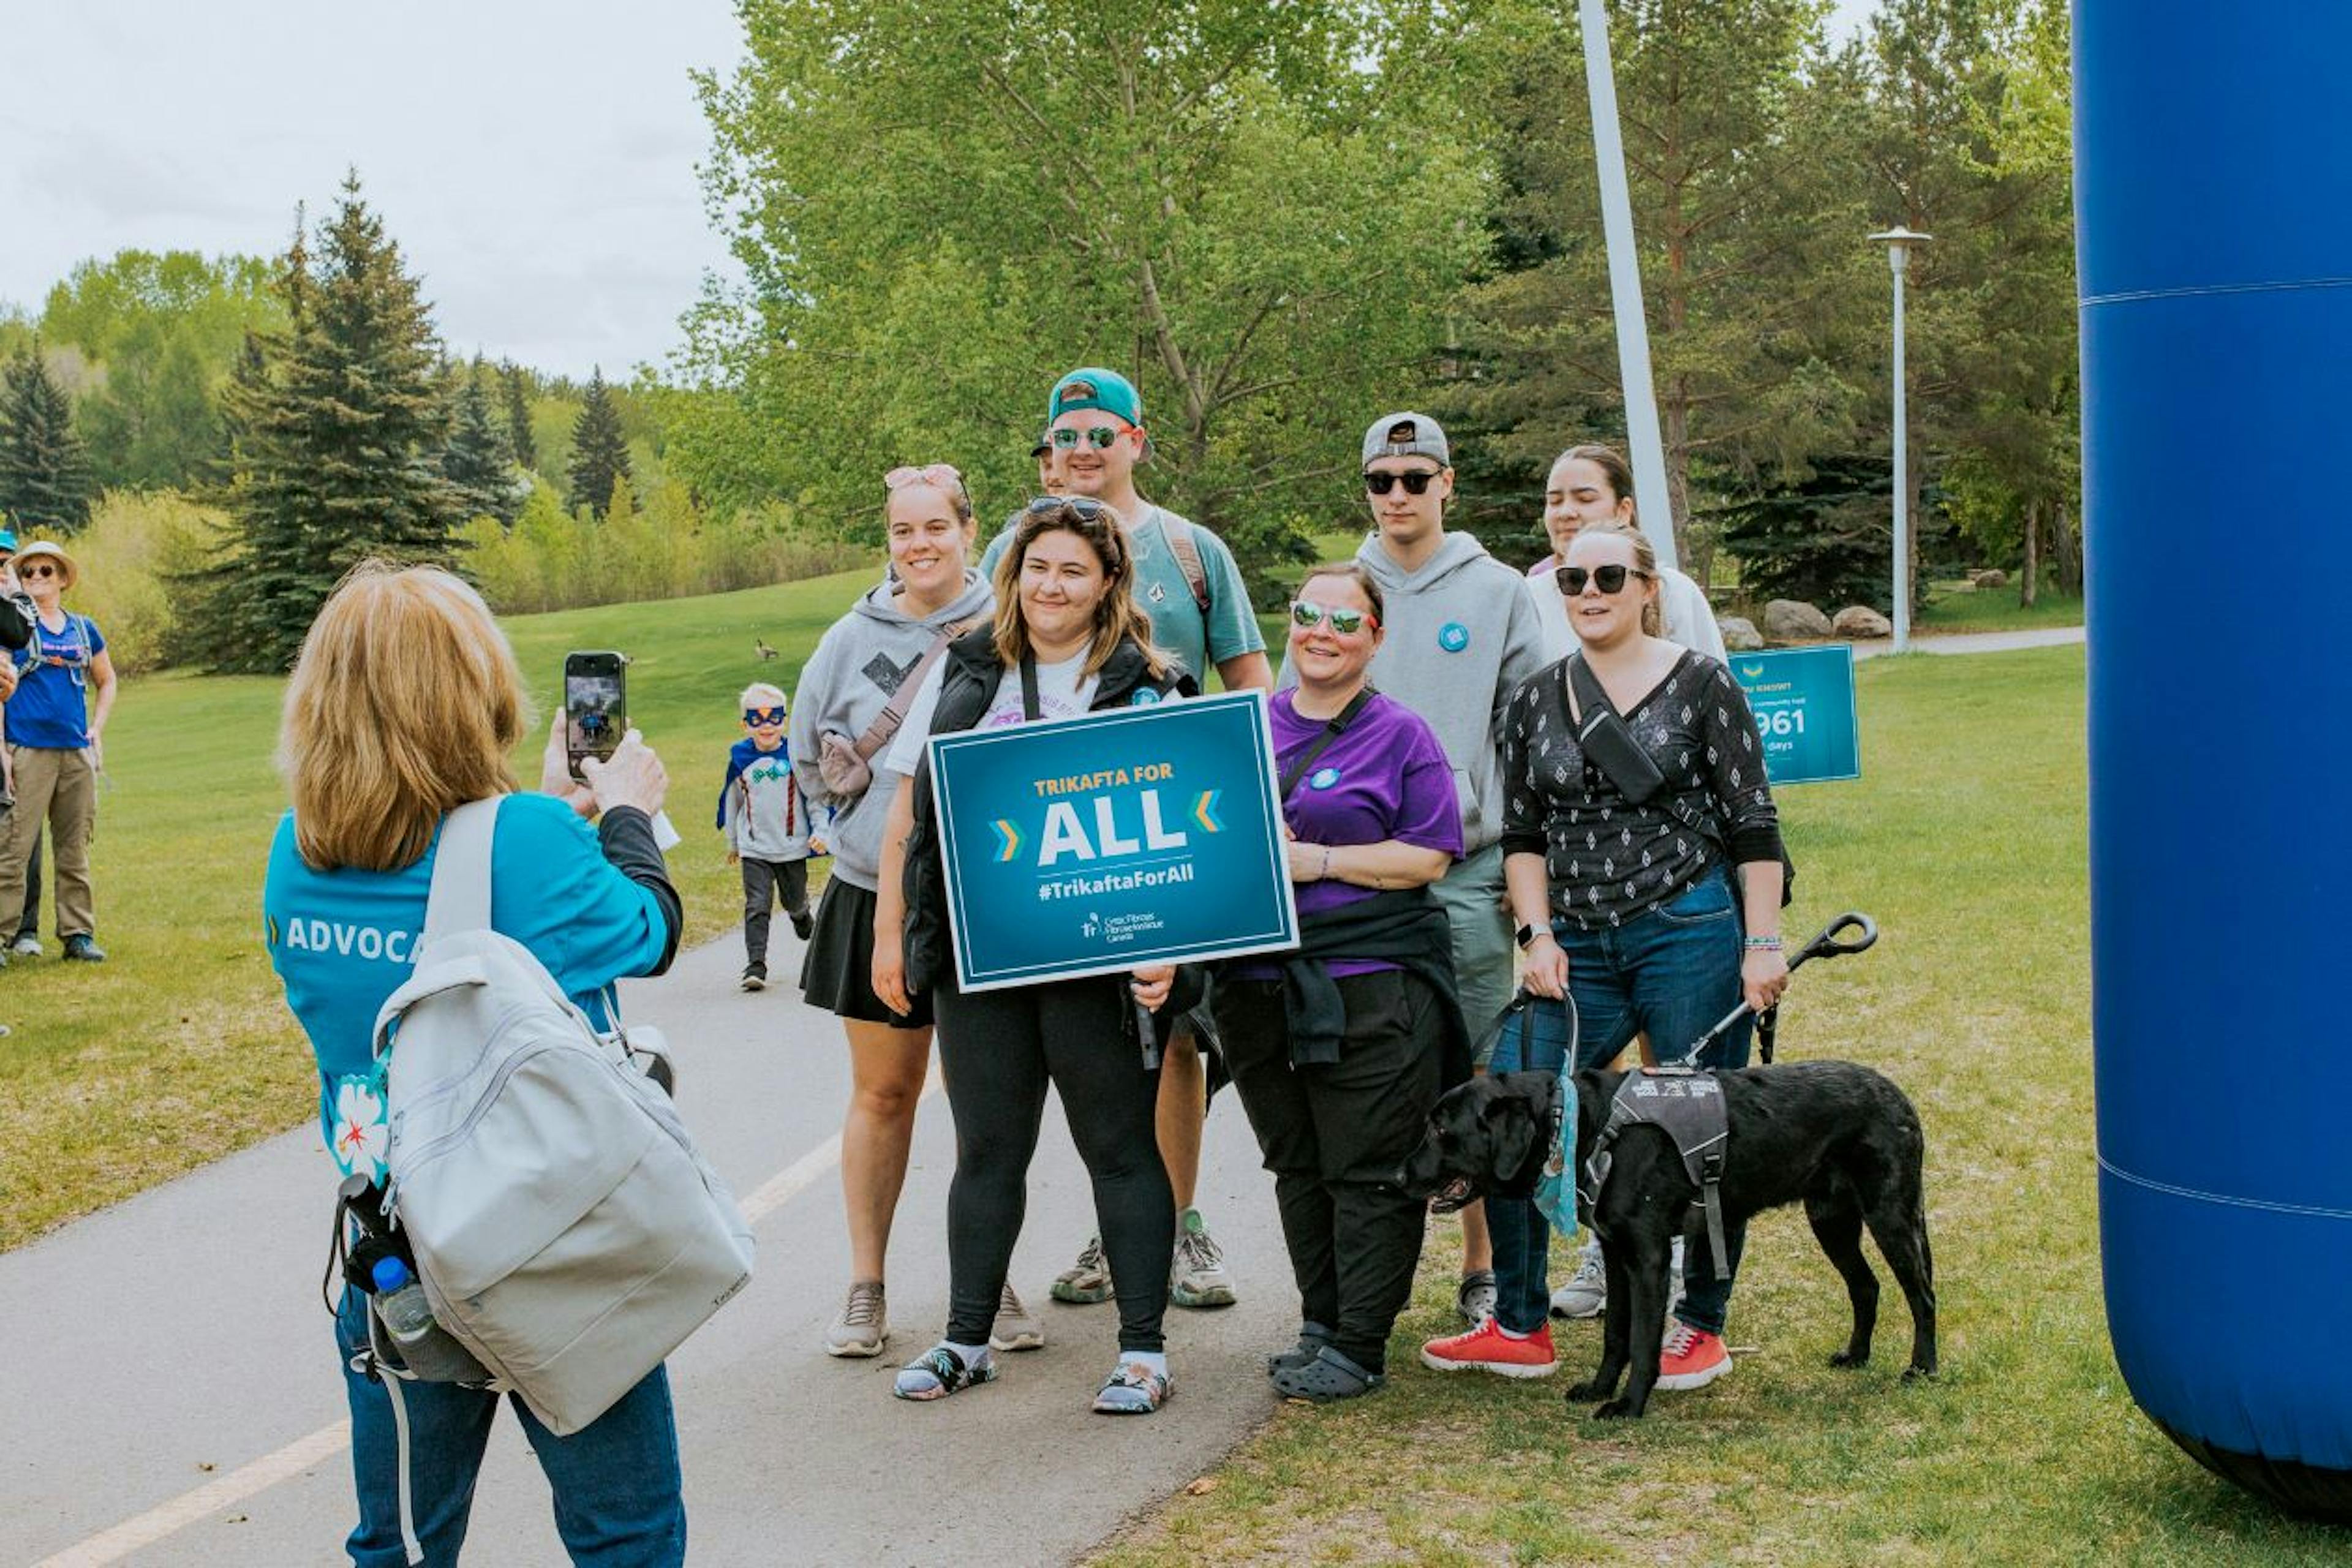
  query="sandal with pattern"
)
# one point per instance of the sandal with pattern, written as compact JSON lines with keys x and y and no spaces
{"x":939,"y":1372}
{"x":1133,"y":1389}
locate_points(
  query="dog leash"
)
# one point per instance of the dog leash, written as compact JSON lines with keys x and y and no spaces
{"x":1825,"y":944}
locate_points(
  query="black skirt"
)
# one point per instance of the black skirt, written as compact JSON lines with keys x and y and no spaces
{"x":837,"y":972}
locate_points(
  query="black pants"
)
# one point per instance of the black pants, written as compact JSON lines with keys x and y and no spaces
{"x":1331,"y":1136}
{"x":998,"y":1050}
{"x":765,"y":884}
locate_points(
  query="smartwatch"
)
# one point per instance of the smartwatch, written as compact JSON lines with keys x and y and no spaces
{"x":1527,"y":935}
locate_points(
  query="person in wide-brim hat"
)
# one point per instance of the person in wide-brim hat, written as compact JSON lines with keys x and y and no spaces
{"x":68,"y":573}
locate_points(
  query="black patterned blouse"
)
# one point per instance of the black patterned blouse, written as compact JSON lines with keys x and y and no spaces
{"x":1607,"y":858}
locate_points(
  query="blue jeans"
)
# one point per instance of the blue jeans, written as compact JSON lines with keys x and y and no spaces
{"x":616,"y":1483}
{"x":1671,"y":973}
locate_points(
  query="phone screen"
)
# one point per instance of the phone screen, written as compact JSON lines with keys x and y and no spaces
{"x":595,"y":706}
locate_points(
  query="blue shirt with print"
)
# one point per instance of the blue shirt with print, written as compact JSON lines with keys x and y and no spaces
{"x":343,"y":941}
{"x":49,"y":709}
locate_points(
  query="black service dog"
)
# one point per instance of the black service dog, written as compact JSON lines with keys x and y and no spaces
{"x":1836,"y":1134}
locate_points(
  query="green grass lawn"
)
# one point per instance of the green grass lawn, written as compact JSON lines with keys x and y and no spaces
{"x":1965,"y":839}
{"x":1955,"y":606}
{"x":179,"y":1048}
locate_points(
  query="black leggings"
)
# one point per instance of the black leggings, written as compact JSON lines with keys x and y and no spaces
{"x":998,"y":1049}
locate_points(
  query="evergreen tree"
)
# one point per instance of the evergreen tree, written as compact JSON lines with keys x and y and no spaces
{"x":600,"y":452}
{"x":45,"y":475}
{"x":339,"y":459}
{"x":518,"y":435}
{"x":477,"y":462}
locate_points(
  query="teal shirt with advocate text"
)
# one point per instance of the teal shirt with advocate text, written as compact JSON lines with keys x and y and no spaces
{"x":1202,"y":640}
{"x":343,"y":941}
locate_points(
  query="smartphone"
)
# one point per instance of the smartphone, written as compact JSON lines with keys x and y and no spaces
{"x":595,"y":706}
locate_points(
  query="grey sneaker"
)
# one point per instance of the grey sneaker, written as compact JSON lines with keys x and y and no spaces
{"x":1087,"y":1280}
{"x":1586,"y":1295}
{"x":1475,"y":1297}
{"x":1196,"y":1275}
{"x":1016,"y":1328}
{"x":863,"y":1325}
{"x":26,"y":945}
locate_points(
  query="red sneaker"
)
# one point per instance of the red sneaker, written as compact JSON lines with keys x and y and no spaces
{"x":1690,"y":1358}
{"x":1490,"y":1348}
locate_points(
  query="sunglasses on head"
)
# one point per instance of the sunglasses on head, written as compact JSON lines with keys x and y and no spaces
{"x":1087,"y":506}
{"x":42,"y":569}
{"x":940,"y":474}
{"x":1307,"y":614}
{"x":1609,"y":579}
{"x":763,"y":715}
{"x":1100,"y":437}
{"x":1415,"y":482}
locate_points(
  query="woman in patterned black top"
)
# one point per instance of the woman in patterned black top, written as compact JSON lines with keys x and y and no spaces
{"x":1631,"y":905}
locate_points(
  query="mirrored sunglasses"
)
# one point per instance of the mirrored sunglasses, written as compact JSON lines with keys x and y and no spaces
{"x":941,"y":474}
{"x":1100,"y":437}
{"x":1307,"y":614}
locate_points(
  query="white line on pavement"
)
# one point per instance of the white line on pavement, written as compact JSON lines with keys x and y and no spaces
{"x":169,"y":1518}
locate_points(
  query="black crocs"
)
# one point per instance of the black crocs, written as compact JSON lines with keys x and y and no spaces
{"x":1312,"y":1337}
{"x":1329,"y":1376}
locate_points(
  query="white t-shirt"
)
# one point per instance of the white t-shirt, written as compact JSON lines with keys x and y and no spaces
{"x":1062,"y":693}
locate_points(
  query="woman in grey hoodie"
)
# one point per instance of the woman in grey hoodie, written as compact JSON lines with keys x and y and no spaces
{"x":853,"y":694}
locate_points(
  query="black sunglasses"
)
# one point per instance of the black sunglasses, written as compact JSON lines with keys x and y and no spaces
{"x":1609,"y":579}
{"x":1415,"y":483}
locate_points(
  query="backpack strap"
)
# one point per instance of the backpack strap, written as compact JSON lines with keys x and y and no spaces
{"x":460,"y":897}
{"x":1187,"y":551}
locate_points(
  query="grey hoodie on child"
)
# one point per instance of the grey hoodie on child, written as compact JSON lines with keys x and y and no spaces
{"x":848,"y":681}
{"x":1460,"y":635}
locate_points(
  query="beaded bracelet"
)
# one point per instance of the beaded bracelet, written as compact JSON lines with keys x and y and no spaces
{"x":1763,"y":943}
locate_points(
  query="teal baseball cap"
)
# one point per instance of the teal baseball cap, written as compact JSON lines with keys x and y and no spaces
{"x":1091,"y":386}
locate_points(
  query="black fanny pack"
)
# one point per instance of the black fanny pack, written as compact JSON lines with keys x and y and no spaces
{"x":1608,"y":741}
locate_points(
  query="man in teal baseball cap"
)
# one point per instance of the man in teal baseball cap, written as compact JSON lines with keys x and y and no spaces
{"x":1187,"y":582}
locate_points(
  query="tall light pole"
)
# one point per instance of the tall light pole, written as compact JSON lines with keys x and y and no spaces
{"x":1898,"y":241}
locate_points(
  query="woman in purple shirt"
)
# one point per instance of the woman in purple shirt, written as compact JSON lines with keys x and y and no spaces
{"x":1340,"y":1051}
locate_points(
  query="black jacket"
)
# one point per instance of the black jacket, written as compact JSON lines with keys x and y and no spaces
{"x":1406,"y":927}
{"x":969,"y":673}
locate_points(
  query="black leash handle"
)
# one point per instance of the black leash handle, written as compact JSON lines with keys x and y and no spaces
{"x":1826,"y":943}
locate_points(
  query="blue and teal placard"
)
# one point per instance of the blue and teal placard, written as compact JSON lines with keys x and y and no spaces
{"x":1132,"y":837}
{"x":1803,"y":702}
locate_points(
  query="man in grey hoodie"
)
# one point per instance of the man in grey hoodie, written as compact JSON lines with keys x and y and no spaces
{"x":1462,"y":632}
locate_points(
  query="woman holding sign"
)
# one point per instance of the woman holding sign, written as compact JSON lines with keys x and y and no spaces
{"x":1633,"y":782}
{"x":1339,"y":1052}
{"x":1068,"y":639}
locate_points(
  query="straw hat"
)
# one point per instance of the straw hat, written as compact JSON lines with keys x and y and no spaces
{"x":56,"y":552}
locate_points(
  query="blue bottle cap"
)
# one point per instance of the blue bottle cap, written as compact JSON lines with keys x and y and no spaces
{"x":391,"y":1274}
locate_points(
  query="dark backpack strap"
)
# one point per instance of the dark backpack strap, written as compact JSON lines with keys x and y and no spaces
{"x":1331,"y":732}
{"x":1032,"y":708}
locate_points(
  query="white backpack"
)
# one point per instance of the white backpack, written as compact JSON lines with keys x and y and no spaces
{"x":565,"y":1229}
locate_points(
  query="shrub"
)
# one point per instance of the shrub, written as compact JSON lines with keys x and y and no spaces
{"x":136,"y":541}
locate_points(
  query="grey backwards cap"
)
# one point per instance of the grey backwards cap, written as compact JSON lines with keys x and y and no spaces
{"x":1407,"y":434}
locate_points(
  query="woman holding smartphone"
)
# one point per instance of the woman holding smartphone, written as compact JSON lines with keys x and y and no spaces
{"x":1067,"y":639}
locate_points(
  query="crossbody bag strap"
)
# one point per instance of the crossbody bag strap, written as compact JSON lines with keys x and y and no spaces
{"x":1331,"y":732}
{"x":1032,"y":709}
{"x":1593,"y":701}
{"x":459,"y":900}
{"x":886,"y":723}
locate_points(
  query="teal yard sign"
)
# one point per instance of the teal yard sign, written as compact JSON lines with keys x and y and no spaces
{"x":1803,"y":702}
{"x":1134,"y":836}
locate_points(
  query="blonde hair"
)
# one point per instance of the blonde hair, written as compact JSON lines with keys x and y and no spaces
{"x":1116,"y":614}
{"x":405,"y":703}
{"x":1646,"y":560}
{"x":759,"y":694}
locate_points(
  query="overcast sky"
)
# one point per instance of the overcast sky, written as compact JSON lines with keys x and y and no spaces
{"x":535,"y":161}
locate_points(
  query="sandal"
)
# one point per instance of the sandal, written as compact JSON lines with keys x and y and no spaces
{"x":1133,"y":1389}
{"x":1329,"y":1376}
{"x":1312,"y":1337}
{"x":939,"y":1372}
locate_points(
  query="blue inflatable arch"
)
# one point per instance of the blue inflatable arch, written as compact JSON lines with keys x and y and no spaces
{"x":2213,"y":158}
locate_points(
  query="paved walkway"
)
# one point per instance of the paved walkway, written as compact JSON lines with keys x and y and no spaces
{"x":169,"y":1392}
{"x":1979,"y":642}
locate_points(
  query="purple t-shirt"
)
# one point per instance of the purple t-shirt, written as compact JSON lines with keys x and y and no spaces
{"x":1385,"y":777}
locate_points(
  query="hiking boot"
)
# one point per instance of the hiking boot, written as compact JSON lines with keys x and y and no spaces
{"x":803,"y":925}
{"x":1015,"y":1329}
{"x":1475,"y":1297}
{"x":1490,"y":1347}
{"x":1087,"y":1280}
{"x":1691,"y":1358}
{"x":862,"y":1324}
{"x":755,"y":977}
{"x":81,"y":950}
{"x":1196,"y":1274}
{"x":26,"y":945}
{"x":1587,"y":1294}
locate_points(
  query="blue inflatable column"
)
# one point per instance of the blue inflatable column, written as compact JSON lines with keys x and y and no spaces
{"x":2213,"y":159}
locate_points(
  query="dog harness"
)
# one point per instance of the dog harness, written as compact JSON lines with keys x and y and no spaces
{"x":1686,"y":1105}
